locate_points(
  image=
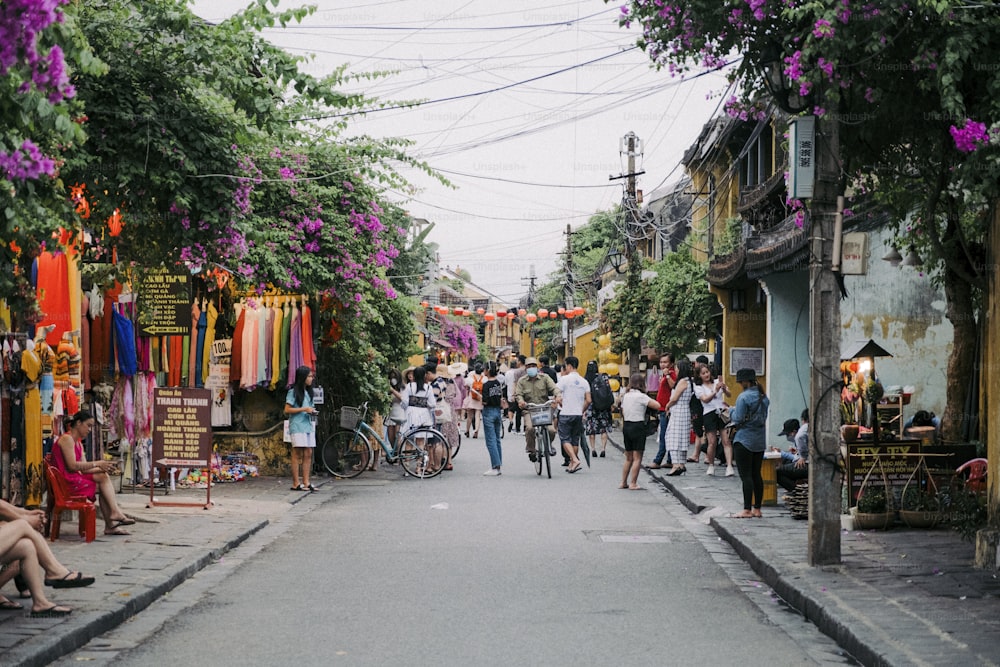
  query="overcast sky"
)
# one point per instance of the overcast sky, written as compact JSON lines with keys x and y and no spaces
{"x":527,"y":106}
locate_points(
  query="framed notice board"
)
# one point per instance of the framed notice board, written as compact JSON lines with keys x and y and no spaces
{"x":898,"y":460}
{"x":164,"y":302}
{"x":746,"y":357}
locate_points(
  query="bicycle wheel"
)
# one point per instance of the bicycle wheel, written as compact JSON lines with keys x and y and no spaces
{"x":548,"y":457}
{"x":346,"y":454}
{"x":541,"y":445}
{"x":417,"y":450}
{"x":456,"y":444}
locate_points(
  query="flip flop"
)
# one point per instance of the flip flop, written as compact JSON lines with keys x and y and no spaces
{"x":51,"y":612}
{"x":127,"y":521}
{"x":9,"y":605}
{"x":117,"y":531}
{"x":71,"y":580}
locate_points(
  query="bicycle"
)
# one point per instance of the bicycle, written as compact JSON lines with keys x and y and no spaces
{"x":346,"y":454}
{"x":541,"y":415}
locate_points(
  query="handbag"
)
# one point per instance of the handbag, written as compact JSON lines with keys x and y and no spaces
{"x":724,"y":416}
{"x":442,"y":413}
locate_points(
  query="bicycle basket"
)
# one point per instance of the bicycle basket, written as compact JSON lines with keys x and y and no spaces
{"x":349,"y":417}
{"x":541,"y":416}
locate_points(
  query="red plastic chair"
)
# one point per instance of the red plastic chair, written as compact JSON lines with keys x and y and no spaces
{"x":974,"y":472}
{"x":60,"y":500}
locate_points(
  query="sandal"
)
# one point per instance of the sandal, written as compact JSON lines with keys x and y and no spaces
{"x":127,"y":521}
{"x":298,"y":488}
{"x":310,"y":488}
{"x":745,"y":514}
{"x":653,"y":466}
{"x":117,"y":531}
{"x":756,"y":514}
{"x":72,"y":579}
{"x":9,"y":605}
{"x":55,"y":611}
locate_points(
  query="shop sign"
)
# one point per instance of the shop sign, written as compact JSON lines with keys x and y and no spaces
{"x":896,"y":459}
{"x":182,"y":431}
{"x":746,"y":357}
{"x":164,"y":302}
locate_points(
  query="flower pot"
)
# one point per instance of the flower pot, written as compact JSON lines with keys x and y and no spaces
{"x":920,"y":518}
{"x":849,"y":432}
{"x":873,"y":521}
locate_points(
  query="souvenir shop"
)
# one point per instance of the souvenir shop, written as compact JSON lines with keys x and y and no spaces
{"x":106,"y":348}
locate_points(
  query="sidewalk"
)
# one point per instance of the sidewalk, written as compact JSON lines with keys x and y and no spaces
{"x":899,"y":597}
{"x":167,"y":546}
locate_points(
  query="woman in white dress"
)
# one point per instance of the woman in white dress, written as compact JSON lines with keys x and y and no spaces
{"x":418,"y":399}
{"x":679,"y":427}
{"x":712,"y":393}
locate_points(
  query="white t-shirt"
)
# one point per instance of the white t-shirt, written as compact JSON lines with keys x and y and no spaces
{"x":574,"y":394}
{"x":634,"y":406}
{"x":717,"y":403}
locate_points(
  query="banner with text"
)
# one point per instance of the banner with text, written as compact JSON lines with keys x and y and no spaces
{"x":182,"y":426}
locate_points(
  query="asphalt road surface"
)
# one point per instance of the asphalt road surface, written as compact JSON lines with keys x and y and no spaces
{"x":471,"y":570}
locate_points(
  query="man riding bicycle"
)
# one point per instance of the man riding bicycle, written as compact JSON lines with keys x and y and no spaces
{"x":534,"y":387}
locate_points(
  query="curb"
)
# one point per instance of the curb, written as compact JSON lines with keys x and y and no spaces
{"x":47,"y":648}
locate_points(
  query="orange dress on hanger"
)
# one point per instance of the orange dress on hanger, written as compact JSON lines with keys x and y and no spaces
{"x":31,"y":364}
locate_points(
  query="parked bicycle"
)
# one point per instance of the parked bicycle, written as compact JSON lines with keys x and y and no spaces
{"x":423,"y":451}
{"x":541,"y":416}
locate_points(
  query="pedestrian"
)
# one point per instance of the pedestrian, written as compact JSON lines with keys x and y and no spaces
{"x":300,"y":409}
{"x":749,"y":416}
{"x":668,"y":379}
{"x":515,"y":373}
{"x":474,"y":401}
{"x":679,"y":427}
{"x":711,"y":391}
{"x":89,"y":478}
{"x":396,"y":416}
{"x":444,"y":418}
{"x":797,"y":469}
{"x":634,"y":406}
{"x":597,"y":420}
{"x":419,"y":401}
{"x":493,"y":400}
{"x":573,"y":402}
{"x":548,"y":370}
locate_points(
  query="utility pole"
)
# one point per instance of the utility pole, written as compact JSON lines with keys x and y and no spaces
{"x":824,"y":350}
{"x":632,"y":148}
{"x":568,"y":292}
{"x":531,"y":303}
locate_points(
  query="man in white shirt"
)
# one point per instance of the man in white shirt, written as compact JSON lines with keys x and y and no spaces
{"x":573,"y":401}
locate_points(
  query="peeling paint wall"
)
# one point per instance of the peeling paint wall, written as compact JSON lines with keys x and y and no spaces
{"x":902,"y":311}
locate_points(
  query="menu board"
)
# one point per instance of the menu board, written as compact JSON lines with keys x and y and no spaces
{"x":164,"y":302}
{"x":898,"y":459}
{"x":182,"y":426}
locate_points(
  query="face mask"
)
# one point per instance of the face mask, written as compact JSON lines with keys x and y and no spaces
{"x":532,"y":372}
{"x":393,"y":382}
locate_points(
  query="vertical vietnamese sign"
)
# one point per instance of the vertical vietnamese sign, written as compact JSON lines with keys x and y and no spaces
{"x":802,"y":167}
{"x":182,"y":431}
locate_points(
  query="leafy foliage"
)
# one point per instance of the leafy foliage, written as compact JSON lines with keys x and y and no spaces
{"x":683,"y":308}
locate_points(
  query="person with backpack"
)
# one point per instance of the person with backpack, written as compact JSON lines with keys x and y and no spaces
{"x":474,"y":400}
{"x":711,"y":393}
{"x":749,"y":417}
{"x":598,"y":418}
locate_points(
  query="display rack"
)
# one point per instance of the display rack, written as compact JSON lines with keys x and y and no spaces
{"x":890,"y":414}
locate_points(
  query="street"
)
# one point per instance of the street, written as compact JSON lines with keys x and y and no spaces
{"x":465,"y":569}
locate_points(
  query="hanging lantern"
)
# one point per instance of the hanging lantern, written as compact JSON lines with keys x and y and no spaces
{"x":531,"y":317}
{"x":115,"y":223}
{"x":489,"y":317}
{"x":510,"y":316}
{"x":562,"y":311}
{"x":580,"y":311}
{"x":522,"y":312}
{"x":425,"y":303}
{"x":480,"y":310}
{"x":542,"y":312}
{"x":553,"y":315}
{"x":501,"y":313}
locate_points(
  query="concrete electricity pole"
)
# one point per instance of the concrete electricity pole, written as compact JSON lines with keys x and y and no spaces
{"x":824,"y":350}
{"x":568,"y":292}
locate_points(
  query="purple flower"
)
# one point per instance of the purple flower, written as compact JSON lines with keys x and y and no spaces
{"x":970,"y":137}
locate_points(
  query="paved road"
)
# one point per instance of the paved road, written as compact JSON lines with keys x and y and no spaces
{"x":471,"y":570}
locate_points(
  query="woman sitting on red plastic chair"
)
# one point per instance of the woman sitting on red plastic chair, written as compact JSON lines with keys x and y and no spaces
{"x":89,"y":478}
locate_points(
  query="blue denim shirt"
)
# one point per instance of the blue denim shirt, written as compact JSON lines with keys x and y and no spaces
{"x":753,"y":419}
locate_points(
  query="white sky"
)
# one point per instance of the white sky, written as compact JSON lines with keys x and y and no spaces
{"x":525,"y":160}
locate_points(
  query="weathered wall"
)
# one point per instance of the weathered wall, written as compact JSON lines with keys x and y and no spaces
{"x":900,"y":310}
{"x":787,"y":361}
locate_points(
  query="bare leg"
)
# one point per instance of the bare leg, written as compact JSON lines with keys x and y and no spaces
{"x":23,"y":550}
{"x":296,"y":460}
{"x":21,"y":530}
{"x":727,"y":448}
{"x":306,"y":455}
{"x":711,"y":448}
{"x":109,"y":504}
{"x":633,"y":482}
{"x":626,"y":469}
{"x":604,"y":442}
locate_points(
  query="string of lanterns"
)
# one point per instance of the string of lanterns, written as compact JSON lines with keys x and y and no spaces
{"x":540,"y":314}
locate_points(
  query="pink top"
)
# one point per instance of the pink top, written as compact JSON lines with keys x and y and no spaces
{"x":80,"y":484}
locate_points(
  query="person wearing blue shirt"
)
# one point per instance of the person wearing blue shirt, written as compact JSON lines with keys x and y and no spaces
{"x":300,"y":409}
{"x":749,"y":417}
{"x":795,"y":466}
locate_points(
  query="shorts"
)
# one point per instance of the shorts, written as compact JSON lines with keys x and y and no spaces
{"x":304,"y":440}
{"x":634,"y":434}
{"x":698,"y":426}
{"x":712,"y":421}
{"x":571,"y":429}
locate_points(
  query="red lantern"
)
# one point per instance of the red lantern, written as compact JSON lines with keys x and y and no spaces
{"x":425,"y":303}
{"x":510,"y":316}
{"x":501,"y":313}
{"x":521,"y":312}
{"x":115,"y":223}
{"x":562,"y":310}
{"x":532,"y":317}
{"x":580,"y":310}
{"x":553,"y":315}
{"x":542,"y":312}
{"x":480,"y":310}
{"x":489,"y":317}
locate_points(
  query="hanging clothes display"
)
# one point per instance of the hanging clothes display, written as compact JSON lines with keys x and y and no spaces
{"x":199,"y":348}
{"x":31,"y":365}
{"x":53,"y":294}
{"x":308,"y":352}
{"x":286,"y":339}
{"x":294,"y":345}
{"x":124,"y":344}
{"x":211,"y":317}
{"x":276,"y":323}
{"x":236,"y":347}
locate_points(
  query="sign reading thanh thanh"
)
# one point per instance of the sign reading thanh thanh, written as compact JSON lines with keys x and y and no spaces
{"x":182,"y":427}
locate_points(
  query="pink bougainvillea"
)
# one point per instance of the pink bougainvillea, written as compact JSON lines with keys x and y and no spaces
{"x":970,"y":137}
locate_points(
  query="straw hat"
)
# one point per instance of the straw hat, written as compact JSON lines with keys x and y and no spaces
{"x":457,"y":368}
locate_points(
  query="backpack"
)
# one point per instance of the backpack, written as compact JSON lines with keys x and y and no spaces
{"x":477,"y":387}
{"x":600,"y":394}
{"x":694,"y":404}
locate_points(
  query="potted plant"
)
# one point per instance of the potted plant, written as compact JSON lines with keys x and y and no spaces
{"x":849,"y":429}
{"x":919,"y":508}
{"x":873,"y":510}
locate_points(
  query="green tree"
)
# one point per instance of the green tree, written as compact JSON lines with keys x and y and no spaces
{"x":914,"y":88}
{"x":683,"y":308}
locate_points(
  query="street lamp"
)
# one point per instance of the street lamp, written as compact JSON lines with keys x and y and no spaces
{"x":913,"y":259}
{"x":782,"y":89}
{"x":617,"y":260}
{"x":893,"y":257}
